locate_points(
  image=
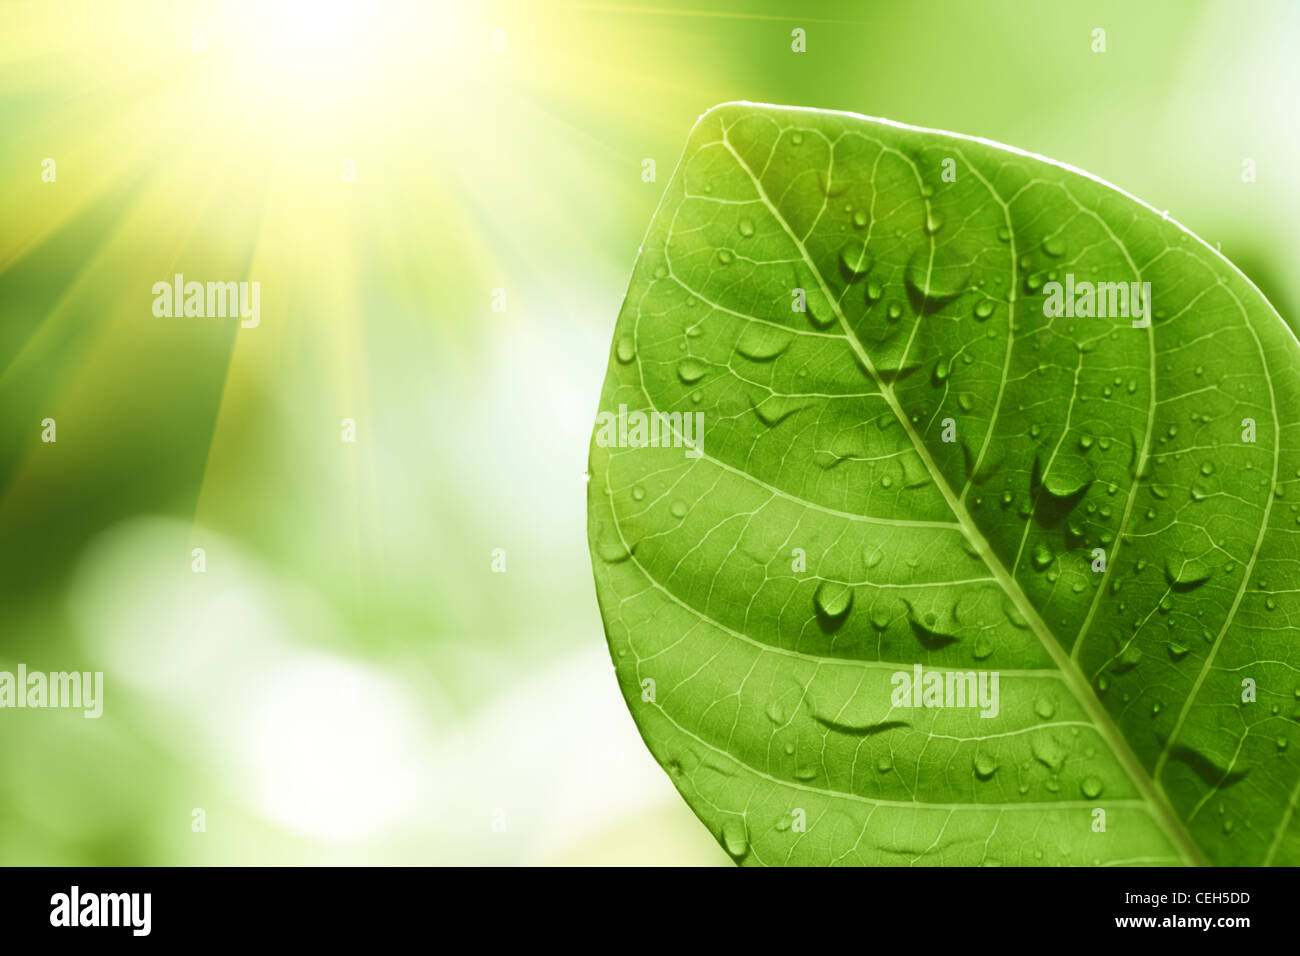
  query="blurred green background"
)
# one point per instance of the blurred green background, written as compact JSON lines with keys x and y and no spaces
{"x":349,"y":680}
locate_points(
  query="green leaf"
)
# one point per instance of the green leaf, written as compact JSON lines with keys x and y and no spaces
{"x":927,"y":467}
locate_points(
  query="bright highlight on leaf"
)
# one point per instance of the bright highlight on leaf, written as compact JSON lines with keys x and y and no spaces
{"x":947,"y":499}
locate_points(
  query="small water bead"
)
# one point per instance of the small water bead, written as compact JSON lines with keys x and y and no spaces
{"x":726,"y":256}
{"x":1004,"y":234}
{"x":1054,"y":247}
{"x":678,"y":509}
{"x":983,"y":309}
{"x":735,"y":838}
{"x":936,"y":279}
{"x":933,"y":222}
{"x":859,"y":219}
{"x":777,"y":408}
{"x":761,"y":343}
{"x":1043,"y":556}
{"x":746,"y":227}
{"x":613,"y":552}
{"x":833,"y":600}
{"x":874,"y":291}
{"x":638,"y":492}
{"x":986,"y":765}
{"x":796,"y":138}
{"x":855,"y":259}
{"x":625,"y":350}
{"x":1047,"y":751}
{"x":1091,"y":787}
{"x":690,"y":371}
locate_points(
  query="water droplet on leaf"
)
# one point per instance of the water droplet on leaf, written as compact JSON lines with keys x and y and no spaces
{"x":690,"y":371}
{"x":833,"y":601}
